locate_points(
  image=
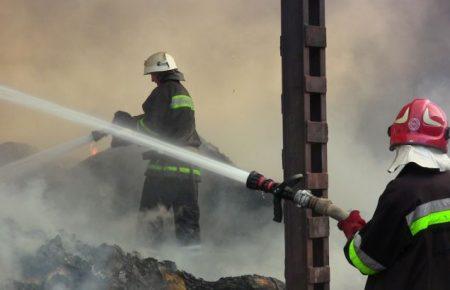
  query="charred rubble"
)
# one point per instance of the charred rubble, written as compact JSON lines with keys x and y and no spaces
{"x":63,"y":264}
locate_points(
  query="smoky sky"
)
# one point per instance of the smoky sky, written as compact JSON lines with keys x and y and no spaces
{"x":399,"y":52}
{"x":89,"y":55}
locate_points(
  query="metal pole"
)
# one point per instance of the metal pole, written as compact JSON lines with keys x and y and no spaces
{"x":305,"y":134}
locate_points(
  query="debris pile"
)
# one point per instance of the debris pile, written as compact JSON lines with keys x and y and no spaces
{"x":106,"y":188}
{"x":69,"y":264}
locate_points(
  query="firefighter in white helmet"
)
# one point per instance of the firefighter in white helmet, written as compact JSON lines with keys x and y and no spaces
{"x":159,"y":62}
{"x":168,"y":115}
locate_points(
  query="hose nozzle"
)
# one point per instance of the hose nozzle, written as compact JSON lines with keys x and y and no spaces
{"x":301,"y":197}
{"x":280,"y":191}
{"x":258,"y":181}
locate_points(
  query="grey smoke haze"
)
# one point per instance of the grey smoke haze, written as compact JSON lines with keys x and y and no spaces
{"x":89,"y":55}
{"x":97,"y":200}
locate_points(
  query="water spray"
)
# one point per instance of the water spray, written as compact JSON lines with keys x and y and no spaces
{"x":33,"y":162}
{"x":253,"y":180}
{"x":165,"y":148}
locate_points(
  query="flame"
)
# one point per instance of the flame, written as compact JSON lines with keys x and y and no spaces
{"x":93,"y":149}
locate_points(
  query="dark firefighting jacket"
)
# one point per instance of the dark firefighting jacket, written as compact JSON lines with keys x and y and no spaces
{"x":406,"y":245}
{"x":169,"y":115}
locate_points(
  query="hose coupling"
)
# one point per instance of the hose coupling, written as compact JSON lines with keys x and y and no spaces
{"x":302,"y":198}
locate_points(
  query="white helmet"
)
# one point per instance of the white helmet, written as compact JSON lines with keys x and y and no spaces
{"x":159,"y":62}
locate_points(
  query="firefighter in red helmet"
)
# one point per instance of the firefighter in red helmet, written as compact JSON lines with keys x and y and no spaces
{"x":406,"y":244}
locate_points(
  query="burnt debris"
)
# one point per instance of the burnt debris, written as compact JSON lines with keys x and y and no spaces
{"x":69,"y":264}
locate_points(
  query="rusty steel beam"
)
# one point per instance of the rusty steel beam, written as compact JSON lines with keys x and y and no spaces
{"x":305,"y":137}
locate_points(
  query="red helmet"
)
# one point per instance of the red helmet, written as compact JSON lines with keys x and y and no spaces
{"x":420,"y":122}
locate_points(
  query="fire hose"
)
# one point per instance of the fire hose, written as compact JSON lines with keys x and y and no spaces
{"x":300,"y":197}
{"x":256,"y":181}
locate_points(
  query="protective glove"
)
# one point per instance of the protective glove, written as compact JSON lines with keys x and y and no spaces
{"x":353,"y":223}
{"x":98,"y":134}
{"x":124,"y":119}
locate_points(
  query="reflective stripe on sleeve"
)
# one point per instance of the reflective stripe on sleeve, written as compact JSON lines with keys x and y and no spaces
{"x":363,"y":262}
{"x":141,"y":126}
{"x":427,"y":214}
{"x":182,"y":101}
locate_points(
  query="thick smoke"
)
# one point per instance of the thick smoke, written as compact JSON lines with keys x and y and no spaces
{"x":98,"y":198}
{"x":89,"y":55}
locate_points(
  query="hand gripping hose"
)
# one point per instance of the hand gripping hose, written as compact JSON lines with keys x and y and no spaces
{"x":301,"y":197}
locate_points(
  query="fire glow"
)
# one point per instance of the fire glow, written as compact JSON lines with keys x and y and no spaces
{"x":93,"y":149}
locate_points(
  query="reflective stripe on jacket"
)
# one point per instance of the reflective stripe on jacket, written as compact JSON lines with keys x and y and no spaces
{"x":169,"y":113}
{"x":406,"y":245}
{"x":175,"y":169}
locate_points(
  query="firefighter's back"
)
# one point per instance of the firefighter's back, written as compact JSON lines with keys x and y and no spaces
{"x":425,"y":262}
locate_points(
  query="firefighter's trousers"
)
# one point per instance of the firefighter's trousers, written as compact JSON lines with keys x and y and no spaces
{"x":179,"y":194}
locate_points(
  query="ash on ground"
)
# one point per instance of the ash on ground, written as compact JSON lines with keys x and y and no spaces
{"x":66,"y":264}
{"x":97,"y":199}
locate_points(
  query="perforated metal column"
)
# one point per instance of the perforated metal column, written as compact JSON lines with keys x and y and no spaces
{"x":305,"y":135}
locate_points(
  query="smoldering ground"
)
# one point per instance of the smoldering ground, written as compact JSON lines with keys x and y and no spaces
{"x":89,"y":55}
{"x":98,"y":200}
